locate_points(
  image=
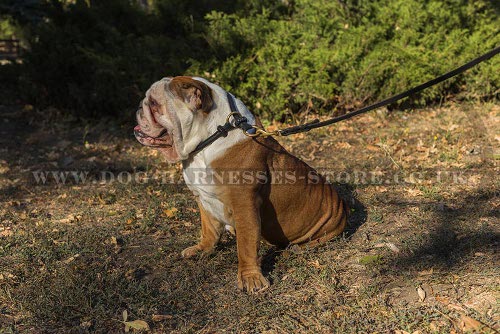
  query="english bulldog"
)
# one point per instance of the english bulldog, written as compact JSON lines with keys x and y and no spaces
{"x":250,"y":185}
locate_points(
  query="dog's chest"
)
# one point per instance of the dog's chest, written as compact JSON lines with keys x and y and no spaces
{"x":195,"y":177}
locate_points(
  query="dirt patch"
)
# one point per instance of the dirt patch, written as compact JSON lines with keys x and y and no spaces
{"x":420,"y":254}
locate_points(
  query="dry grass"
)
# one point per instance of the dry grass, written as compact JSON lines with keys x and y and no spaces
{"x":73,"y":257}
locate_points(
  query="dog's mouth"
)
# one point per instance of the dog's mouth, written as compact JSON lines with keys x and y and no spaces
{"x":164,"y":139}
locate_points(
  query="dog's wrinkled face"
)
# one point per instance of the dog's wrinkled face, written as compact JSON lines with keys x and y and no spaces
{"x":171,"y":116}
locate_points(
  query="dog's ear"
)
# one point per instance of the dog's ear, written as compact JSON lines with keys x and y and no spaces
{"x":196,"y":94}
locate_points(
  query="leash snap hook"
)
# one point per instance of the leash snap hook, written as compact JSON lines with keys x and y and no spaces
{"x":261,"y":132}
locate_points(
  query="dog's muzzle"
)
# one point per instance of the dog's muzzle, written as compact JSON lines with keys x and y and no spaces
{"x":162,"y":140}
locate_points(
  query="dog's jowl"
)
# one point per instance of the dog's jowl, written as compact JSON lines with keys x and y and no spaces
{"x":251,"y":186}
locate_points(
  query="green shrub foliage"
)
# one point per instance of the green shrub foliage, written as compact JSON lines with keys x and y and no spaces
{"x":281,"y":57}
{"x":324,"y":55}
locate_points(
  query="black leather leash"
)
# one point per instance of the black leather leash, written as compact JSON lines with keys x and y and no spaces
{"x":317,"y":124}
{"x":254,"y":131}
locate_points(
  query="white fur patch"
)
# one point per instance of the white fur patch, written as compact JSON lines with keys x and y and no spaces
{"x":201,"y":160}
{"x":206,"y":193}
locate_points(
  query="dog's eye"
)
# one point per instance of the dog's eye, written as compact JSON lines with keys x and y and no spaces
{"x":152,"y":103}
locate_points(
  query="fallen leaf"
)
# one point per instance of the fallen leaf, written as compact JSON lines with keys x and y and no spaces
{"x":426,"y":272}
{"x":343,"y":145}
{"x":392,"y":247}
{"x":140,"y":325}
{"x":400,"y":331}
{"x":125,"y":315}
{"x":71,"y":259}
{"x":3,"y":168}
{"x":6,"y":233}
{"x":117,"y":242}
{"x":370,"y":259}
{"x":161,"y":317}
{"x":295,"y":249}
{"x":389,"y":245}
{"x":172,"y":212}
{"x":455,"y":307}
{"x":315,"y":264}
{"x":436,"y":325}
{"x":372,"y":148}
{"x":86,"y":324}
{"x":468,"y":324}
{"x":421,"y":293}
{"x":68,"y":220}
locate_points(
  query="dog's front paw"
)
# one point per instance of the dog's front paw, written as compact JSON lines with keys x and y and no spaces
{"x":190,"y":251}
{"x":195,"y":250}
{"x":253,"y":282}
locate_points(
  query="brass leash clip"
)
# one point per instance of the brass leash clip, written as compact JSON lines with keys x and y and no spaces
{"x":262,"y":132}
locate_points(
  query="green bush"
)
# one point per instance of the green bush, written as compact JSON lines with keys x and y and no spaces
{"x":284,"y":57}
{"x":326,"y":55}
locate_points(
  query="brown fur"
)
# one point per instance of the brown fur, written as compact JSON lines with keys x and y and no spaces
{"x":197,"y":94}
{"x":211,"y":231}
{"x":283,"y":214}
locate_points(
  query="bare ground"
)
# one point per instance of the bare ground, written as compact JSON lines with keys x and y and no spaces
{"x":420,"y":254}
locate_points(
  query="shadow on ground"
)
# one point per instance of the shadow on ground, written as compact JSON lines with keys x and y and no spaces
{"x":449,"y":242}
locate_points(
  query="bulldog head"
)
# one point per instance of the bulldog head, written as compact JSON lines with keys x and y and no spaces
{"x":172,"y":116}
